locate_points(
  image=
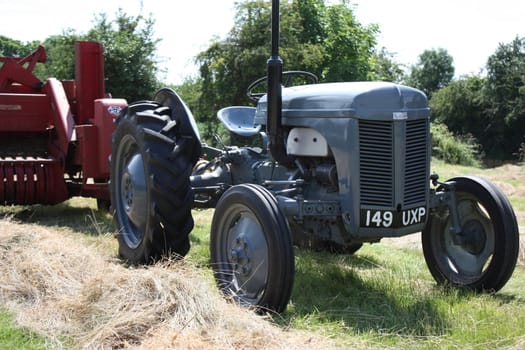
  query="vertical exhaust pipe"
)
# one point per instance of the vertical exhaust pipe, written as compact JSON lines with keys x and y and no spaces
{"x":274,"y":95}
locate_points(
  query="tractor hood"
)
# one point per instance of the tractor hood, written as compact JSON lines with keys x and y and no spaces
{"x":370,"y":100}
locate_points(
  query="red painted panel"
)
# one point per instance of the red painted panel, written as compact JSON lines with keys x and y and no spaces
{"x":89,"y":77}
{"x":61,"y":115}
{"x":106,"y":111}
{"x":88,"y":150}
{"x":24,"y":112}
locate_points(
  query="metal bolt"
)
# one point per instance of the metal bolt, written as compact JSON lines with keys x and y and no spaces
{"x":234,"y":256}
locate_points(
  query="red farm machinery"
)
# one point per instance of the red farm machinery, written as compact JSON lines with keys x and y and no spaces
{"x":55,"y":136}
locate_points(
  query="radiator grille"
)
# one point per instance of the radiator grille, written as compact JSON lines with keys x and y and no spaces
{"x":377,"y":158}
{"x":376,"y":162}
{"x":416,"y":161}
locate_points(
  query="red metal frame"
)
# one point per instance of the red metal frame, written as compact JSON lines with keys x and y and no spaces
{"x":73,"y":118}
{"x":13,"y":70}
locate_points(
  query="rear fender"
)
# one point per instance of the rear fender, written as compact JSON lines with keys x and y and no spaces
{"x":179,"y":111}
{"x":184,"y":118}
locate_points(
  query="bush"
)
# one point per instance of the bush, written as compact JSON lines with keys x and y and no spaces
{"x":463,"y":150}
{"x":521,"y":153}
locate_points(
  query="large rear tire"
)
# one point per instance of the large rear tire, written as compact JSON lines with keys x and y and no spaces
{"x":483,"y":257}
{"x":151,"y":196}
{"x":251,"y":248}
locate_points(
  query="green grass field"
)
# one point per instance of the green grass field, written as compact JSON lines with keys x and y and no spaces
{"x":13,"y":337}
{"x":384,"y":297}
{"x":381,"y":297}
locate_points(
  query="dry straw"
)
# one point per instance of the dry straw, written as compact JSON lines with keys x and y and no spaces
{"x":60,"y":287}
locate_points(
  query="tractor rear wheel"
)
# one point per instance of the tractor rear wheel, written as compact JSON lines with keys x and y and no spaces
{"x":251,"y":248}
{"x":483,"y":256}
{"x":150,"y":188}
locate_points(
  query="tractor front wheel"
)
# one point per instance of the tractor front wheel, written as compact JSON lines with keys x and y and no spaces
{"x":483,"y":255}
{"x":251,"y":248}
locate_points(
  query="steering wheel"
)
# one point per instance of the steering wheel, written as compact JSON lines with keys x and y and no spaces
{"x":287,"y":80}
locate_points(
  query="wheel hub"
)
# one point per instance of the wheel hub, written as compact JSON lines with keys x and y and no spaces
{"x":134,"y":191}
{"x":127,"y":192}
{"x":473,"y":237}
{"x":240,"y":258}
{"x":246,"y":254}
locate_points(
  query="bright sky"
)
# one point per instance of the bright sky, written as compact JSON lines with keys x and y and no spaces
{"x":470,"y":30}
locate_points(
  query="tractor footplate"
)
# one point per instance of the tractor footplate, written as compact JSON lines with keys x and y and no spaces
{"x":31,"y":180}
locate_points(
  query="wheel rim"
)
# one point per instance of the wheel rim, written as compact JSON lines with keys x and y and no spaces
{"x":245,"y":252}
{"x":132,"y":206}
{"x":467,"y":256}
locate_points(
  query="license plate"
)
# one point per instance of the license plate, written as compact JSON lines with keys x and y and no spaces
{"x":392,"y":219}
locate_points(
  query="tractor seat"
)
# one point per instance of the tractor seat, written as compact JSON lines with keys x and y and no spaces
{"x":239,"y":120}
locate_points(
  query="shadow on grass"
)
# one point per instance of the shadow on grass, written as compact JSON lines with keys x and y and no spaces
{"x":79,"y":218}
{"x":356,"y":293}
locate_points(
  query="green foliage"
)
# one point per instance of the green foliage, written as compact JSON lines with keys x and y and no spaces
{"x":60,"y":50}
{"x":384,"y":67}
{"x":349,"y":45}
{"x":505,"y":89}
{"x":129,"y":48}
{"x":491,"y":109}
{"x":451,"y":149}
{"x":13,"y":48}
{"x":433,"y":71}
{"x":325,"y":40}
{"x":189,"y":90}
{"x":461,"y":106}
{"x":521,"y":153}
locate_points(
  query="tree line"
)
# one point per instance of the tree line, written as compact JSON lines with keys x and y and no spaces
{"x":488,"y":110}
{"x":130,"y":62}
{"x":485,"y":112}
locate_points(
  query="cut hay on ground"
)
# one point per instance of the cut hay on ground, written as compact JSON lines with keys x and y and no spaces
{"x":62,"y":288}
